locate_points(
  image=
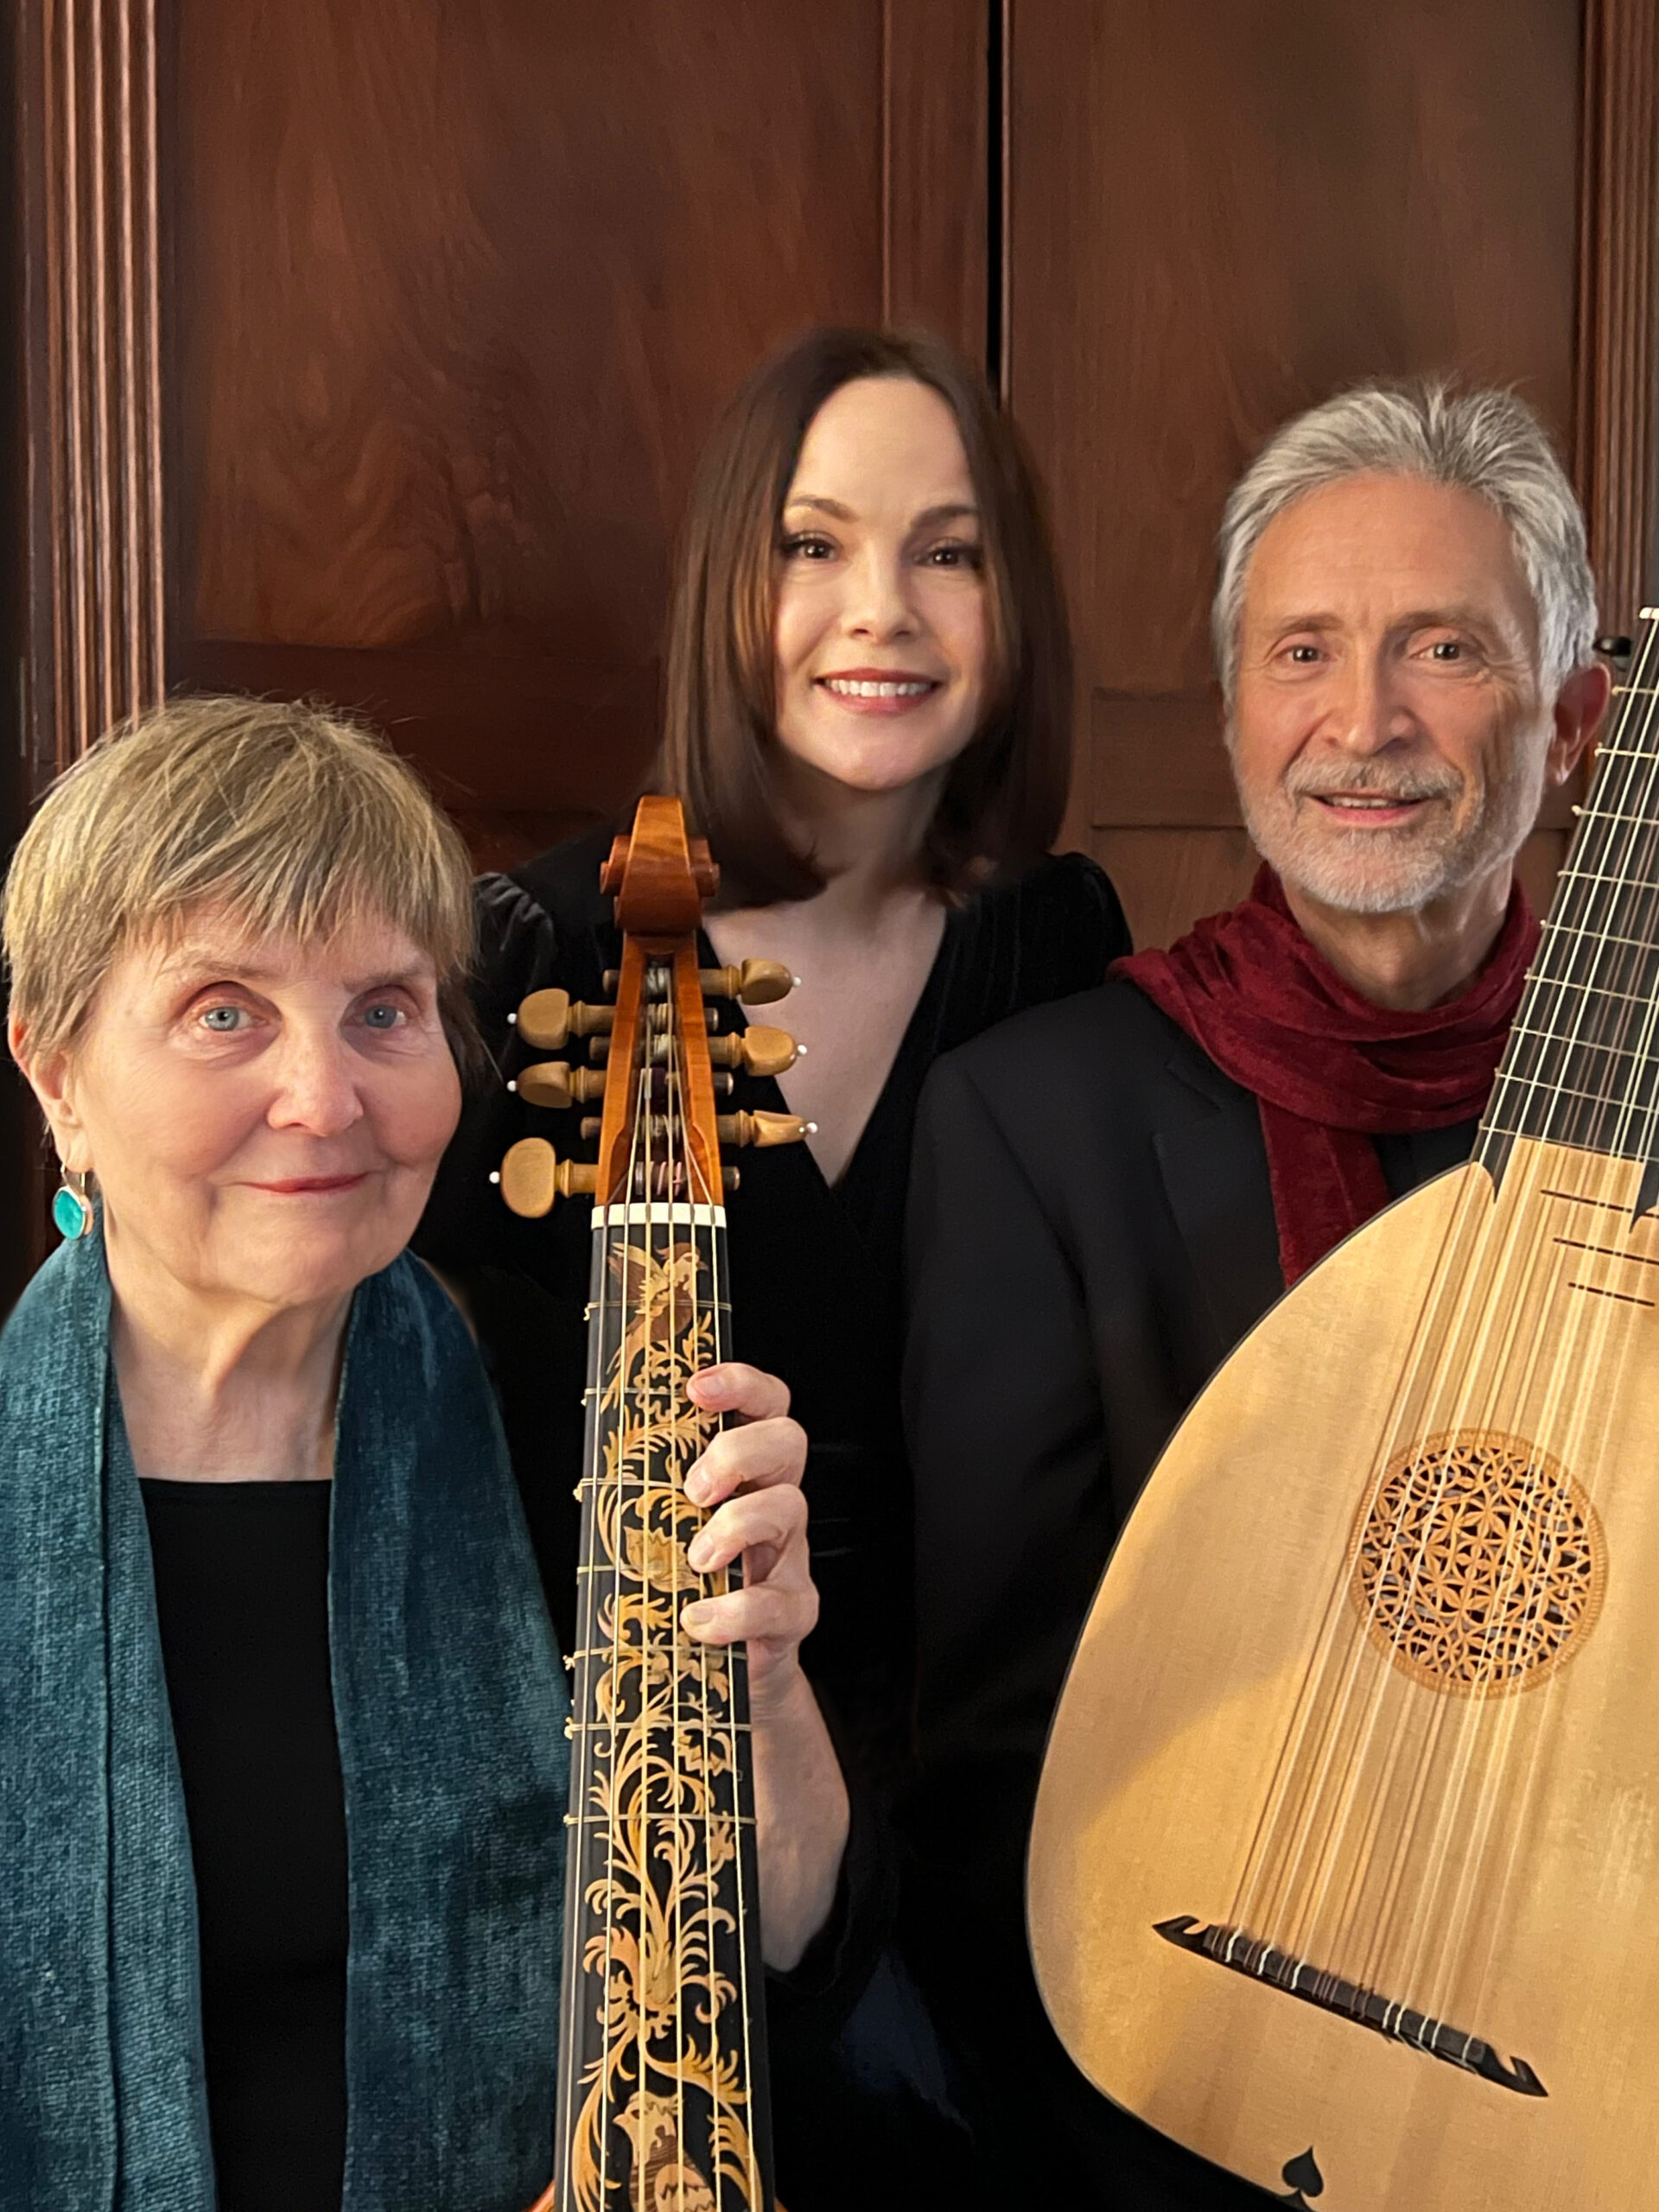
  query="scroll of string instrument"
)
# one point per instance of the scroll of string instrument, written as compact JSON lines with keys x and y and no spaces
{"x":662,"y":2067}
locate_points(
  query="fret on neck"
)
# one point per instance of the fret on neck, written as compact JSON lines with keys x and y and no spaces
{"x":1582,"y":1063}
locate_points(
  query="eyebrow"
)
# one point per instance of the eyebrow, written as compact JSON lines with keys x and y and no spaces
{"x":950,"y":510}
{"x":1422,"y":618}
{"x":201,"y":968}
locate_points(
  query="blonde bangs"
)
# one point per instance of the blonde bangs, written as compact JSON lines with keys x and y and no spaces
{"x":287,"y":818}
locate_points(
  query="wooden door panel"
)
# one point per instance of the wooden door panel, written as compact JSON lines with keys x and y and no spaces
{"x":460,"y":290}
{"x":1219,"y":217}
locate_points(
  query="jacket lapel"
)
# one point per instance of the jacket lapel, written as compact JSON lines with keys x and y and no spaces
{"x":1214,"y":1166}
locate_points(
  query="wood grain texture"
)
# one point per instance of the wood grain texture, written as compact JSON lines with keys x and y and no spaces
{"x":87,"y":115}
{"x":460,"y":292}
{"x":1220,"y":216}
{"x":1234,"y":1744}
{"x":1618,"y":302}
{"x":936,"y":123}
{"x":88,"y":250}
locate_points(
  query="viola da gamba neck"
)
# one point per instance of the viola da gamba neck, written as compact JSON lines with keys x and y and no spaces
{"x":663,"y":2079}
{"x":1581,"y":1067}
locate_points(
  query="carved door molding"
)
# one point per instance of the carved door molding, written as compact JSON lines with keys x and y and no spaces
{"x":1617,"y":398}
{"x":95,"y":595}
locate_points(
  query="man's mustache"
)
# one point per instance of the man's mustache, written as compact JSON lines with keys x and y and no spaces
{"x":1373,"y":783}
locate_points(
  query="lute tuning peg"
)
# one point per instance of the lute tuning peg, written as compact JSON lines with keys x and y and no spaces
{"x":532,"y":1176}
{"x":549,"y":1020}
{"x":551,"y":1082}
{"x":758,"y":1049}
{"x":763,"y":1129}
{"x":754,"y":982}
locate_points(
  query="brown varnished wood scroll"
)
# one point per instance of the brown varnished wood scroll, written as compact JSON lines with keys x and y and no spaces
{"x":659,"y":878}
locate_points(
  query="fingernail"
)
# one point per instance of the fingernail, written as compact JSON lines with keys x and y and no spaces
{"x":697,"y":1488}
{"x":694,"y":1617}
{"x":696,"y":1553}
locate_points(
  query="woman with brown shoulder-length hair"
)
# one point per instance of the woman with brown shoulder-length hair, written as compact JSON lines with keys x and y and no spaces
{"x":867,"y":714}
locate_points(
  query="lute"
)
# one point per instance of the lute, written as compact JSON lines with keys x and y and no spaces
{"x":1344,"y":1870}
{"x":662,"y":2063}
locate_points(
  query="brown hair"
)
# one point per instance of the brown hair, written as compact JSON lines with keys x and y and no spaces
{"x":293,"y":817}
{"x":1004,"y":795}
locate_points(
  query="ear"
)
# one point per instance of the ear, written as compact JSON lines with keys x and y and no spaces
{"x":1580,"y":705}
{"x":49,"y":1077}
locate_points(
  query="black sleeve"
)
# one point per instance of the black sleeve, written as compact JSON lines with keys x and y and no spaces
{"x":1013,"y":1518}
{"x":807,"y":2006}
{"x":525,"y":1282}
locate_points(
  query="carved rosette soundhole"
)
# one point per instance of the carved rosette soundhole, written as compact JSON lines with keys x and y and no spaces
{"x":1480,"y":1566}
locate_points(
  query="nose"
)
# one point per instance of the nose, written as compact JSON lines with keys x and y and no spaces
{"x":1369,"y":712}
{"x":316,"y":1082}
{"x":879,"y":604}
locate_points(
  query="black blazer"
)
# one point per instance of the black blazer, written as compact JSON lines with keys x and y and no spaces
{"x":1091,"y":1231}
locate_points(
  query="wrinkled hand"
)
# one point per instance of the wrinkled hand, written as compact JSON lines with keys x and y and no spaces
{"x":752,"y":1472}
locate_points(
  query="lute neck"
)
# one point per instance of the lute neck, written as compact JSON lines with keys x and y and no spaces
{"x":1581,"y":1067}
{"x":663,"y":2078}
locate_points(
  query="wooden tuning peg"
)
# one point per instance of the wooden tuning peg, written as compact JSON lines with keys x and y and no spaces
{"x":755,"y":982}
{"x":551,"y":1082}
{"x":762,"y":1129}
{"x":532,"y":1176}
{"x":759,"y":1050}
{"x":549,"y":1020}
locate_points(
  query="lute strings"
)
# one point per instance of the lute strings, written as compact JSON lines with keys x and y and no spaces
{"x":1271,"y":1874}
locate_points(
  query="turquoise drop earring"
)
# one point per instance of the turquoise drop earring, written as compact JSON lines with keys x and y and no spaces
{"x":72,"y":1209}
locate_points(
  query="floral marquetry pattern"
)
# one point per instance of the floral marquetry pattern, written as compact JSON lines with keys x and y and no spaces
{"x":1479,"y":1564}
{"x":662,"y":2041}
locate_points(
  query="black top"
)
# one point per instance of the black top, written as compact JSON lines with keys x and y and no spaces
{"x":242,"y":1596}
{"x":1092,"y":1162}
{"x":815,"y":1270}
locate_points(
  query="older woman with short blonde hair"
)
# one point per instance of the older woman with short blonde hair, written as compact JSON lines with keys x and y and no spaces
{"x":283,"y":1766}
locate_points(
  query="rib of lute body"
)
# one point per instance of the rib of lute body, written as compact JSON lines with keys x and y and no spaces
{"x":1346,"y":1864}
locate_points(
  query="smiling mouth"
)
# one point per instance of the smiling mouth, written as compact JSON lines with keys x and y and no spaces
{"x":1368,"y":802}
{"x":309,"y":1186}
{"x":884,"y":687}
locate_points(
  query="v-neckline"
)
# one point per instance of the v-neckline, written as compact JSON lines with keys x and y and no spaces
{"x":846,"y":1182}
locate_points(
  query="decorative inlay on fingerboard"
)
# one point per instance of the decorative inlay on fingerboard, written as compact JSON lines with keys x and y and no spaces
{"x":664,"y":2061}
{"x":1479,"y":1564}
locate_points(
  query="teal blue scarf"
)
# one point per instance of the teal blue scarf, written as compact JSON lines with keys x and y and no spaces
{"x":450,"y":1705}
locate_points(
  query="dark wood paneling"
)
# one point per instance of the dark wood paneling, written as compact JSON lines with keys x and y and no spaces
{"x":937,"y":128}
{"x":84,"y":231}
{"x":461,"y":291}
{"x":1219,"y":216}
{"x":87,"y":114}
{"x":1618,"y":301}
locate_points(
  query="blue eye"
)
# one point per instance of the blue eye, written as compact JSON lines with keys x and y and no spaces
{"x":223,"y":1020}
{"x":383,"y":1018}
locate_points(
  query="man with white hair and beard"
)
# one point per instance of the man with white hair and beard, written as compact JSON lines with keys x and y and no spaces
{"x":1108,"y":1192}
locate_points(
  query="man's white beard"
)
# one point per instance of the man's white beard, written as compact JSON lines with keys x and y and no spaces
{"x":1391,"y":871}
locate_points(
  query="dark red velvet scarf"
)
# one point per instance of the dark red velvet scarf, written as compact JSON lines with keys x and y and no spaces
{"x":1329,"y":1068}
